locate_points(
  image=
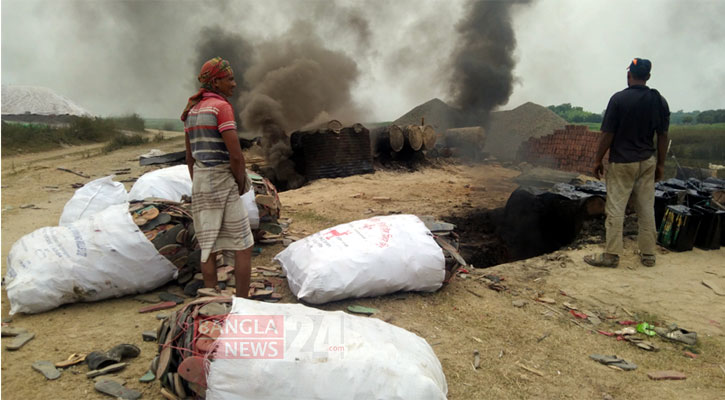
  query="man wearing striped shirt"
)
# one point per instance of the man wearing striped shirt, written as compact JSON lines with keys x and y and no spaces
{"x":218,"y":173}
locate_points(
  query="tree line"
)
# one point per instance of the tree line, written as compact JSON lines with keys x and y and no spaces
{"x":577,"y":114}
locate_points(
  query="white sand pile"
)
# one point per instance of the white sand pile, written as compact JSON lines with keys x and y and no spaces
{"x":19,"y":100}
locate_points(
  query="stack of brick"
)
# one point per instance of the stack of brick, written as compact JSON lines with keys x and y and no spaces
{"x":570,"y":149}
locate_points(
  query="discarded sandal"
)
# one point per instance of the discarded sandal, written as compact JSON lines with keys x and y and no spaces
{"x":193,"y":369}
{"x":98,"y":360}
{"x":357,"y":309}
{"x":604,"y":260}
{"x":677,"y":334}
{"x":12,"y":331}
{"x":614,"y":361}
{"x":47,"y":369}
{"x":115,"y":389}
{"x":641,"y":343}
{"x":648,"y":260}
{"x":19,"y":341}
{"x":73,"y":359}
{"x":646,"y":328}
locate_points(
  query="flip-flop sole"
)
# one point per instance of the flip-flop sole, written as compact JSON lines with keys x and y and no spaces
{"x":115,"y":389}
{"x":19,"y":341}
{"x":47,"y":369}
{"x":193,"y":369}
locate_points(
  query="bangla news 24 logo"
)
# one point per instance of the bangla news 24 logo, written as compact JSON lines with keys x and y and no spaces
{"x":276,"y":337}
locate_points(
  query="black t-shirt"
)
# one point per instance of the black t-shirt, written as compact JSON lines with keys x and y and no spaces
{"x":633,"y":116}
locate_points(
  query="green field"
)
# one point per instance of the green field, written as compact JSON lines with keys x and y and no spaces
{"x":693,"y":145}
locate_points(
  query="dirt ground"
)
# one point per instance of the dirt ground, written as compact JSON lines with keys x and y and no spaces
{"x":535,"y":351}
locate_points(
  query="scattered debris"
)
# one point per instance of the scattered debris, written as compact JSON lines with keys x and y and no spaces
{"x":148,"y":298}
{"x":12,"y":331}
{"x":641,"y":343}
{"x":149,"y":336}
{"x":476,"y":360}
{"x":519,"y":303}
{"x":647,"y":329}
{"x":666,"y":375}
{"x":626,"y":331}
{"x":613,"y":361}
{"x":156,"y":157}
{"x":73,"y":359}
{"x":533,"y":371}
{"x":165,"y":296}
{"x":106,"y":370}
{"x":546,"y":300}
{"x":116,"y":390}
{"x":672,"y":332}
{"x":73,"y":172}
{"x":24,"y":206}
{"x":544,"y":336}
{"x":149,"y":376}
{"x":47,"y":369}
{"x":689,"y":354}
{"x":19,"y":341}
{"x":474,"y":293}
{"x":356,"y":309}
{"x":707,"y":282}
{"x":578,"y":314}
{"x":156,"y":307}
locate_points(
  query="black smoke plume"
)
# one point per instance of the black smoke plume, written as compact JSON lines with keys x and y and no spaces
{"x":295,"y":81}
{"x":483,"y":60}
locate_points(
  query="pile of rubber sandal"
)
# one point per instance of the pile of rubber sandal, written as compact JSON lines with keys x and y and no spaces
{"x":185,"y":342}
{"x":267,"y":199}
{"x":170,"y":227}
{"x":449,"y":241}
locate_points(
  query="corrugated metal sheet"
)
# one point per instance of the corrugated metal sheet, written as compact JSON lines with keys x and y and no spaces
{"x":326,"y":154}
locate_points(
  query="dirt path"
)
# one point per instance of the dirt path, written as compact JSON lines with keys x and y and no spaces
{"x":462,"y":317}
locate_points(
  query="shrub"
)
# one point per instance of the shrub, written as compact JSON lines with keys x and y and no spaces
{"x":131,"y":122}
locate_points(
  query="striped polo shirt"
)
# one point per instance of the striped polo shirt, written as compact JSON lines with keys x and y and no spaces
{"x":204,"y":125}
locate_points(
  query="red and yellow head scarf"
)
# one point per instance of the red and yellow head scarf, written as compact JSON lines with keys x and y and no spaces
{"x":216,"y":68}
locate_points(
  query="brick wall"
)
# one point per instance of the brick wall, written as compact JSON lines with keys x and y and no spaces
{"x":570,"y":149}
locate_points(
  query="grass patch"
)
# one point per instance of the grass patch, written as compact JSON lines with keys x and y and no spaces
{"x":122,"y":140}
{"x":29,"y":138}
{"x":698,"y":145}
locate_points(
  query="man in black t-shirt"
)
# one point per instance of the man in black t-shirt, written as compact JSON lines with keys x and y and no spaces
{"x":632,"y":118}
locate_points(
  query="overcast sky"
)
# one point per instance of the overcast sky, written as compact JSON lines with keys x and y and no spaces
{"x":116,"y":57}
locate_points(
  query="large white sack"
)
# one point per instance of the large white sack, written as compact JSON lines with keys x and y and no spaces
{"x":102,"y":256}
{"x":363,"y":258}
{"x":166,"y":183}
{"x":250,"y":204}
{"x":93,"y":197}
{"x":173,"y":182}
{"x":326,"y":355}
